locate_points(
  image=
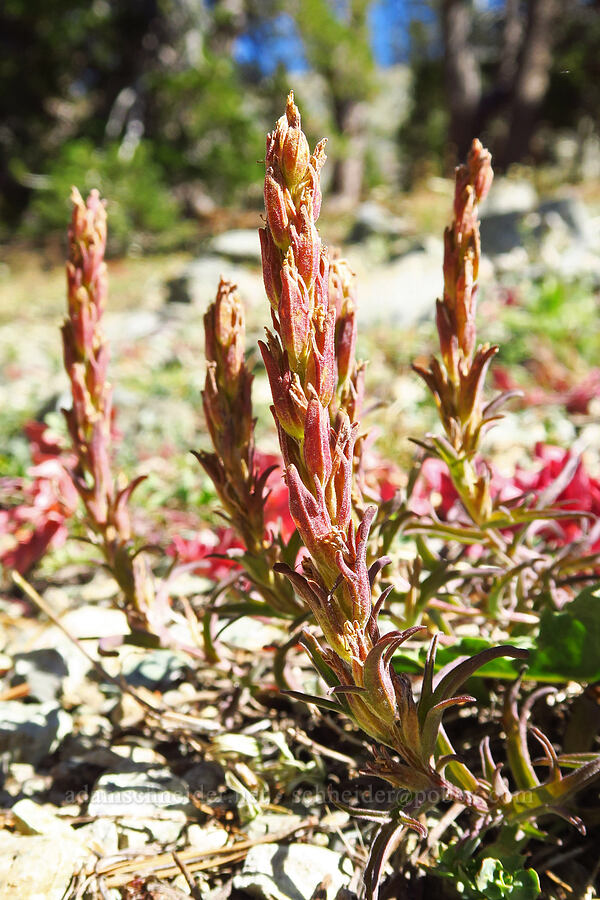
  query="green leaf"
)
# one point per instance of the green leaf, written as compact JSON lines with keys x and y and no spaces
{"x":494,"y":881}
{"x":413,"y":662}
{"x":568,"y":645}
{"x":488,"y":877}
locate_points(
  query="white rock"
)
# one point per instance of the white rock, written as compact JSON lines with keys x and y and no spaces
{"x":271,"y":823}
{"x":279,"y":872}
{"x":32,"y":818}
{"x":251,"y":634}
{"x":131,"y":326}
{"x":95,"y":621}
{"x":508,"y":195}
{"x":38,"y":867}
{"x":403,"y":291}
{"x":100,"y":836}
{"x":206,"y":837}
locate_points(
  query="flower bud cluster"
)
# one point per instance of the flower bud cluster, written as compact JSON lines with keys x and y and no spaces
{"x":308,"y":354}
{"x":456,"y":312}
{"x":226,"y":399}
{"x":241,"y":487}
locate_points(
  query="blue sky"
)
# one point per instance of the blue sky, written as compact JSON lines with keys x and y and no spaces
{"x":389,"y":21}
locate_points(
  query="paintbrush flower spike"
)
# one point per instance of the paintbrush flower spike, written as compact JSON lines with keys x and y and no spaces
{"x":315,"y":385}
{"x":86,"y":354}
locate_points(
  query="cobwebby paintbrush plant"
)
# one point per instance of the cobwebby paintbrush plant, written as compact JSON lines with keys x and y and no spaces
{"x":335,"y":582}
{"x":308,"y":354}
{"x":499,"y":523}
{"x":86,"y":356}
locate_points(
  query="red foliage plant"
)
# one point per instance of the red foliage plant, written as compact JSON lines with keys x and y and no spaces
{"x":34,"y":514}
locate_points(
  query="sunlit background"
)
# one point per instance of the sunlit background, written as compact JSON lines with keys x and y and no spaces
{"x":164,"y":105}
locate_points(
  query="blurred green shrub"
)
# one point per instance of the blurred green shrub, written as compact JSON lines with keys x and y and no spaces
{"x":423,"y":137}
{"x":139,"y":200}
{"x":208,"y":128}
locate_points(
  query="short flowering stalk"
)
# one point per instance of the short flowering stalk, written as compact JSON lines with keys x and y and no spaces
{"x":86,"y":354}
{"x":456,"y":381}
{"x":232,"y":466}
{"x":226,"y":399}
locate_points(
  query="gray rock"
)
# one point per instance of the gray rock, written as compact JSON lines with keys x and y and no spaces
{"x":570,"y":211}
{"x":554,"y":227}
{"x":178,"y":290}
{"x":85,"y":622}
{"x":509,"y":196}
{"x":205,"y":779}
{"x":135,"y":833}
{"x":293,"y":872}
{"x":157,"y":670}
{"x":43,"y":670}
{"x":241,"y":244}
{"x":502,"y":215}
{"x":139,"y":795}
{"x":31,"y":731}
{"x":502,"y":232}
{"x":373,"y":219}
{"x":202,"y":277}
{"x":404,"y":291}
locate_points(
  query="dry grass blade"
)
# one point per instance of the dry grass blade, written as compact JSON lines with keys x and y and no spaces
{"x":161,"y":865}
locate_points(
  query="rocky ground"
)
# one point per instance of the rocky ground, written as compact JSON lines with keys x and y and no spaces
{"x":135,"y":772}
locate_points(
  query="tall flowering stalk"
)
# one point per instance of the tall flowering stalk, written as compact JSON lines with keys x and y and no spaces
{"x":86,"y":355}
{"x":317,"y":439}
{"x":316,"y":434}
{"x":232,"y":466}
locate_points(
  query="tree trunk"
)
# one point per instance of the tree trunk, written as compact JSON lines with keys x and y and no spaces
{"x":531,"y":80}
{"x":512,"y":40}
{"x":348,"y":171}
{"x":463,"y":80}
